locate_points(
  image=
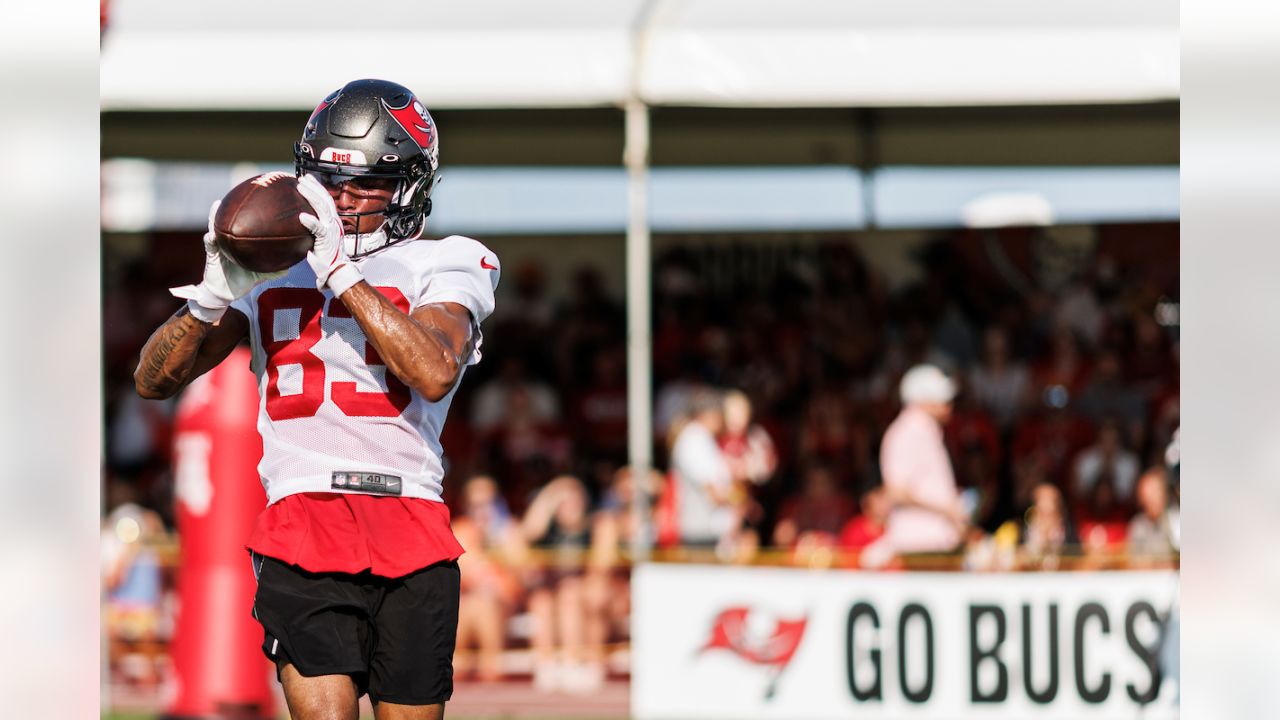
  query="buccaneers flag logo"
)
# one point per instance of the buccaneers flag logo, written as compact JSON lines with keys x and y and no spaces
{"x":772,"y":643}
{"x":414,"y":119}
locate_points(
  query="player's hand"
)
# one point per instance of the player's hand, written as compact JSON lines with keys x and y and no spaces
{"x":224,"y":281}
{"x":327,"y":257}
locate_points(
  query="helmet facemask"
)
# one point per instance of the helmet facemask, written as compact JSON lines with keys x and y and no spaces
{"x":404,"y":217}
{"x":406,"y":214}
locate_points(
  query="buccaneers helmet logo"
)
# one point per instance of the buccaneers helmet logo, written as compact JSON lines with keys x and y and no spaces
{"x":414,"y":119}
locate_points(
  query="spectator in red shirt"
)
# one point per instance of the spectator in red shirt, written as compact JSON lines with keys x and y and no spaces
{"x":868,"y":525}
{"x":747,"y":446}
{"x":749,"y":451}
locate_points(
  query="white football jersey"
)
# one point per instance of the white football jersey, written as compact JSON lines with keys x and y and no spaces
{"x":332,"y":417}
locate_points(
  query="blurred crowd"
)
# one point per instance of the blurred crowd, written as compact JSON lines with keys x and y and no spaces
{"x":775,"y":387}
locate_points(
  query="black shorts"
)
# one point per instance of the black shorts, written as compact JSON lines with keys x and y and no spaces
{"x":394,"y":637}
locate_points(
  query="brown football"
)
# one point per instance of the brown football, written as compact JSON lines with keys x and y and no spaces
{"x":257,"y":223}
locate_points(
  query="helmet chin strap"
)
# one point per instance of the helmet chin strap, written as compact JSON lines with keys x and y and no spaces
{"x":365,"y":243}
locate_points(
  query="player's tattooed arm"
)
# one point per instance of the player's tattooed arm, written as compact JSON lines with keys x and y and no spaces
{"x":426,"y":349}
{"x":182,"y":349}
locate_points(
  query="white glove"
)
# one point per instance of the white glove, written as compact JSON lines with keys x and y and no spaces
{"x":224,"y":281}
{"x":327,"y":257}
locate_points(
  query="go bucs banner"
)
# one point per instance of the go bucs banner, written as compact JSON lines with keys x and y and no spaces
{"x":739,"y":643}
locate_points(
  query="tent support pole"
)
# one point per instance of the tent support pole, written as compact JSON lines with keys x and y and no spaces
{"x":639,"y":340}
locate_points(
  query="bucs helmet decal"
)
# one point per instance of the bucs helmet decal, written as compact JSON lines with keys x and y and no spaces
{"x":414,"y":119}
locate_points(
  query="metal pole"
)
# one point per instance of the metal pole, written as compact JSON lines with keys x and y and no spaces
{"x":639,"y":270}
{"x":639,"y":341}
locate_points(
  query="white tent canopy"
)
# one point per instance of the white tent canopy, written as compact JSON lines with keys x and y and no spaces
{"x":249,"y":54}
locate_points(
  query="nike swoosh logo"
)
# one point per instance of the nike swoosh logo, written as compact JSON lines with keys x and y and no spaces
{"x":486,"y":265}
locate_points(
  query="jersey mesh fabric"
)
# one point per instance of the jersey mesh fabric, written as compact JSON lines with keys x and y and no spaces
{"x":351,"y":533}
{"x":305,"y":344}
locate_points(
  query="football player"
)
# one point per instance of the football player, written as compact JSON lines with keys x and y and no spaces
{"x":358,"y":351}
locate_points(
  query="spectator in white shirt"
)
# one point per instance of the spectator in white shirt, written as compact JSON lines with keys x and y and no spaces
{"x":703,"y":477}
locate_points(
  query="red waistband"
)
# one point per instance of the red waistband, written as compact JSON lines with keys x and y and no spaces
{"x":351,"y":533}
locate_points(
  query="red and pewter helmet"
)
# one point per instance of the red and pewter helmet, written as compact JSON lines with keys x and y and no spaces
{"x":375,"y":129}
